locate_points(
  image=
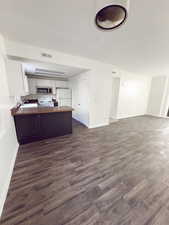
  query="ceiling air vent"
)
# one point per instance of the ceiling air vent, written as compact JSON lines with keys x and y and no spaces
{"x":44,"y":72}
{"x":46,"y":55}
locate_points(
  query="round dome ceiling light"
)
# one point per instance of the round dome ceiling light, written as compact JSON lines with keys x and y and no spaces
{"x":111,"y":13}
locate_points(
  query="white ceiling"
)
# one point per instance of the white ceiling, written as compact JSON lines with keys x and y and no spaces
{"x":140,"y":46}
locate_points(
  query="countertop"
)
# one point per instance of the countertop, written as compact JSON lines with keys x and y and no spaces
{"x":40,"y":110}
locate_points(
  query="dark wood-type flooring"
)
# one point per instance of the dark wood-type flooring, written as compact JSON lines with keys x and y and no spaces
{"x":114,"y":175}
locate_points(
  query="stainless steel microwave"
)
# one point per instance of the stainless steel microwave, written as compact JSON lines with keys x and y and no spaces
{"x":44,"y":90}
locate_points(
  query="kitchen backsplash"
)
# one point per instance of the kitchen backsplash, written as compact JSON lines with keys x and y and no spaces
{"x":36,"y":96}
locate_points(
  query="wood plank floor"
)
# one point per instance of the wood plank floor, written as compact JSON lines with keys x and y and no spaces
{"x":115,"y":175}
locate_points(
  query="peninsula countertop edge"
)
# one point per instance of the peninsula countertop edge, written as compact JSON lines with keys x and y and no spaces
{"x":39,"y":110}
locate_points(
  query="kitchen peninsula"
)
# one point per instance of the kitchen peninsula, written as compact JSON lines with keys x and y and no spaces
{"x":34,"y":124}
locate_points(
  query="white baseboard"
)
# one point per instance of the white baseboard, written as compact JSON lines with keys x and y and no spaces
{"x":7,"y":183}
{"x":99,"y":125}
{"x":154,"y":115}
{"x":127,"y":117}
{"x":84,"y":123}
{"x":112,"y":120}
{"x":158,"y":116}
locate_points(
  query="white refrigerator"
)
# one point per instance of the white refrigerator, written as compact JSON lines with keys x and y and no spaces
{"x":64,"y":96}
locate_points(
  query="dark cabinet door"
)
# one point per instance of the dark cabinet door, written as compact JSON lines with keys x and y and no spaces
{"x":27,"y":128}
{"x":31,"y":128}
{"x":55,"y":124}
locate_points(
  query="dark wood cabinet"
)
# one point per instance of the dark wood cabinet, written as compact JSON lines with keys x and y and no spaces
{"x":56,"y":125}
{"x":36,"y":127}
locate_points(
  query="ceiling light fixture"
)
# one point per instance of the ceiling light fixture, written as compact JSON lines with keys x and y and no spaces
{"x":111,"y":14}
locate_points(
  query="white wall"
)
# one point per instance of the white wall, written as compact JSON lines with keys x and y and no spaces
{"x":115,"y":97}
{"x":99,"y":78}
{"x":80,"y":97}
{"x":8,"y":143}
{"x":165,"y":102}
{"x":134,"y":90}
{"x":157,"y":95}
{"x":133,"y":95}
{"x":100,"y":85}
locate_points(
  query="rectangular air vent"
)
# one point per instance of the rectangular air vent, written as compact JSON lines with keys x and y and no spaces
{"x":48,"y":72}
{"x":46,"y":55}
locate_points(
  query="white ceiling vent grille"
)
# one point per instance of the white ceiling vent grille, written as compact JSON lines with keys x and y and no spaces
{"x":46,"y":55}
{"x":44,"y":72}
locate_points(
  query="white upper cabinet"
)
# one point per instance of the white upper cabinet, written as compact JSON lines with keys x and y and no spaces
{"x":34,"y":83}
{"x":61,"y":84}
{"x":25,"y":83}
{"x":17,"y":81}
{"x":44,"y":83}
